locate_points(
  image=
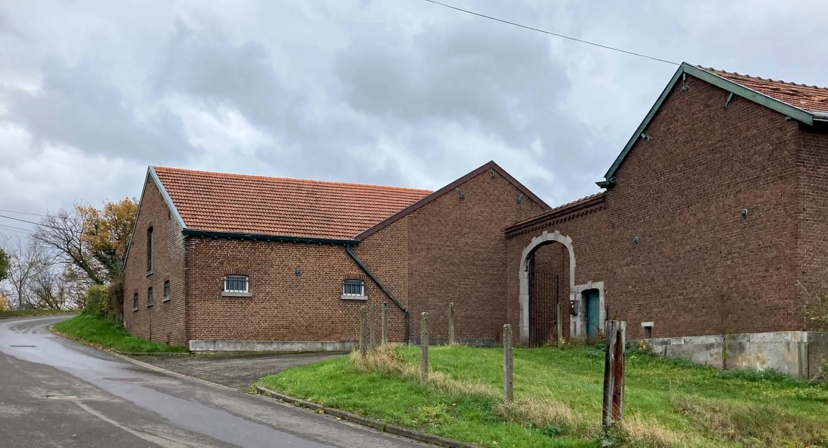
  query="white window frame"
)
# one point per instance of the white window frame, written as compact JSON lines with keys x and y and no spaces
{"x":236,"y":292}
{"x":351,"y":296}
{"x":167,"y":291}
{"x":135,"y":302}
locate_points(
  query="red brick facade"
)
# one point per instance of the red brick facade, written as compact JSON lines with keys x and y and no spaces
{"x":447,"y":250}
{"x":699,"y":268}
{"x":164,"y":321}
{"x":716,"y":222}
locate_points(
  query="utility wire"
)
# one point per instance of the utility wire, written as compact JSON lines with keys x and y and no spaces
{"x":606,"y":47}
{"x":22,"y":213}
{"x":31,"y":222}
{"x":14,"y":229}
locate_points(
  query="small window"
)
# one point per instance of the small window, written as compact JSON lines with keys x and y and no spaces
{"x":150,"y":249}
{"x":149,"y":297}
{"x":167,"y":291}
{"x":135,"y":302}
{"x":353,"y":288}
{"x":235,"y":283}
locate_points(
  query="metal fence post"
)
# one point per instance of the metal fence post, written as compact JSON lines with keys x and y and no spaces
{"x":384,"y":339}
{"x":508,"y":357}
{"x":451,"y":324}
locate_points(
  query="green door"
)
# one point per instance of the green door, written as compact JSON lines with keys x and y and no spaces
{"x":593,"y":313}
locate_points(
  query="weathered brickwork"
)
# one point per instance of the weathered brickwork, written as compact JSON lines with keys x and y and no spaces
{"x":699,"y":267}
{"x":457,"y":251}
{"x":165,"y":320}
{"x":296,"y":292}
{"x":812,"y":160}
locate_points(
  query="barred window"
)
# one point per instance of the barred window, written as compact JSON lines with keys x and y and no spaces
{"x":167,"y":291}
{"x":353,"y":288}
{"x":135,"y":302}
{"x":149,"y":297}
{"x":235,"y":283}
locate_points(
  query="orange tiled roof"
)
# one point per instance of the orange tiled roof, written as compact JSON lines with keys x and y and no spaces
{"x":237,"y":203}
{"x":809,"y":98}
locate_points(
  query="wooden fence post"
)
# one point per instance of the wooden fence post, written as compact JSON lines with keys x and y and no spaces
{"x":371,"y":329}
{"x":363,"y":330}
{"x":424,"y":347}
{"x":384,"y":323}
{"x":451,"y":324}
{"x":613,"y":410}
{"x":508,"y":392}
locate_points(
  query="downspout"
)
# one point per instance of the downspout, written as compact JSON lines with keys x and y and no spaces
{"x":384,"y":289}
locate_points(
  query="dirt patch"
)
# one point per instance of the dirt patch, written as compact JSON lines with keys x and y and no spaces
{"x":238,"y":372}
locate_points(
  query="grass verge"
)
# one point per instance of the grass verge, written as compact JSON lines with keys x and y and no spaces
{"x":669,"y":403}
{"x":32,"y":313}
{"x":109,"y":334}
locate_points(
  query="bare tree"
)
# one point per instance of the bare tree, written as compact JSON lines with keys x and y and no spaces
{"x":25,"y":261}
{"x":64,"y":232}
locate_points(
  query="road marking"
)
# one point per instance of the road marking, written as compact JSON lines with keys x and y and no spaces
{"x":160,"y":441}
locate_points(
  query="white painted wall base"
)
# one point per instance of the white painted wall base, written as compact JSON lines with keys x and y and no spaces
{"x":271,"y":346}
{"x":796,"y":353}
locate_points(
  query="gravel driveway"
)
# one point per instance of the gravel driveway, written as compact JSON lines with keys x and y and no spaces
{"x":238,"y":372}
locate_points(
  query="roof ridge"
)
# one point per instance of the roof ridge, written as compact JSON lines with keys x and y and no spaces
{"x":781,"y":81}
{"x":558,"y":209}
{"x":294,"y":179}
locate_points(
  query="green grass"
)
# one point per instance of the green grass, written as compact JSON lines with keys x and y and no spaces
{"x":558,"y":396}
{"x":29,"y":313}
{"x":109,"y":334}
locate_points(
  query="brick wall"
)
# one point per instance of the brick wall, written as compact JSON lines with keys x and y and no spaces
{"x":699,"y":268}
{"x":164,"y":321}
{"x":457,"y":251}
{"x":284,"y":306}
{"x":812,"y":159}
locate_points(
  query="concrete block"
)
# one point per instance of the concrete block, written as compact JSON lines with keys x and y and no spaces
{"x":270,"y":346}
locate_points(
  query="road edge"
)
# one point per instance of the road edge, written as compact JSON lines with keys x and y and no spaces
{"x":353,"y":418}
{"x":364,"y":421}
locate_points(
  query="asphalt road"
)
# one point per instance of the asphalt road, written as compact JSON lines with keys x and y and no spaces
{"x":57,"y":393}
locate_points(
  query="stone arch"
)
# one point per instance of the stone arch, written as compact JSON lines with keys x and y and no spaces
{"x":542,"y":239}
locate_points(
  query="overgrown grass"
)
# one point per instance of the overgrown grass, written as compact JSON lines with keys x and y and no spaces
{"x":31,"y":313}
{"x":669,"y":403}
{"x":109,"y":334}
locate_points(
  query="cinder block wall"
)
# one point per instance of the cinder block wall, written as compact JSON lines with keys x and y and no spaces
{"x":699,"y":269}
{"x":164,"y":321}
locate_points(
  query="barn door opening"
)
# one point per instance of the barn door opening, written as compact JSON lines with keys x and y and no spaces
{"x":547,"y":293}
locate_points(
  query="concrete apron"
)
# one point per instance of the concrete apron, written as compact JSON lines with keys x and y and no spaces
{"x":795,"y":353}
{"x":271,"y":346}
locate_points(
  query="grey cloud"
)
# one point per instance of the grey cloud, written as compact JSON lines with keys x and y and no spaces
{"x":78,"y":107}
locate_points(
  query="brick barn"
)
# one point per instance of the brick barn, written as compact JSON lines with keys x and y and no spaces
{"x":235,"y":262}
{"x":709,"y":237}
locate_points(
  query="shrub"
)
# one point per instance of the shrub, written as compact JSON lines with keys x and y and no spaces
{"x":97,"y":301}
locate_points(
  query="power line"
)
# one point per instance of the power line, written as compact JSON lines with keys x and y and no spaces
{"x":22,"y":213}
{"x":606,"y":47}
{"x":23,"y":220}
{"x":14,"y":229}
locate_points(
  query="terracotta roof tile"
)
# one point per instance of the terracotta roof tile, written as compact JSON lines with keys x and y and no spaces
{"x":237,"y":203}
{"x":810,"y":98}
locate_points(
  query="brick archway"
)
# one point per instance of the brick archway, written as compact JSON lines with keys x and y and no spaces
{"x":544,"y":238}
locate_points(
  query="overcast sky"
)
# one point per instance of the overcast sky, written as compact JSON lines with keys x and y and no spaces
{"x":393,"y":92}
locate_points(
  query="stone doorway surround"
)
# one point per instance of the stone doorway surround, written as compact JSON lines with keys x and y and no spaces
{"x":578,"y":325}
{"x":540,"y":240}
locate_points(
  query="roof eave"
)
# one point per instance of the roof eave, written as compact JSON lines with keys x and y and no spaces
{"x":267,"y":237}
{"x":730,"y":86}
